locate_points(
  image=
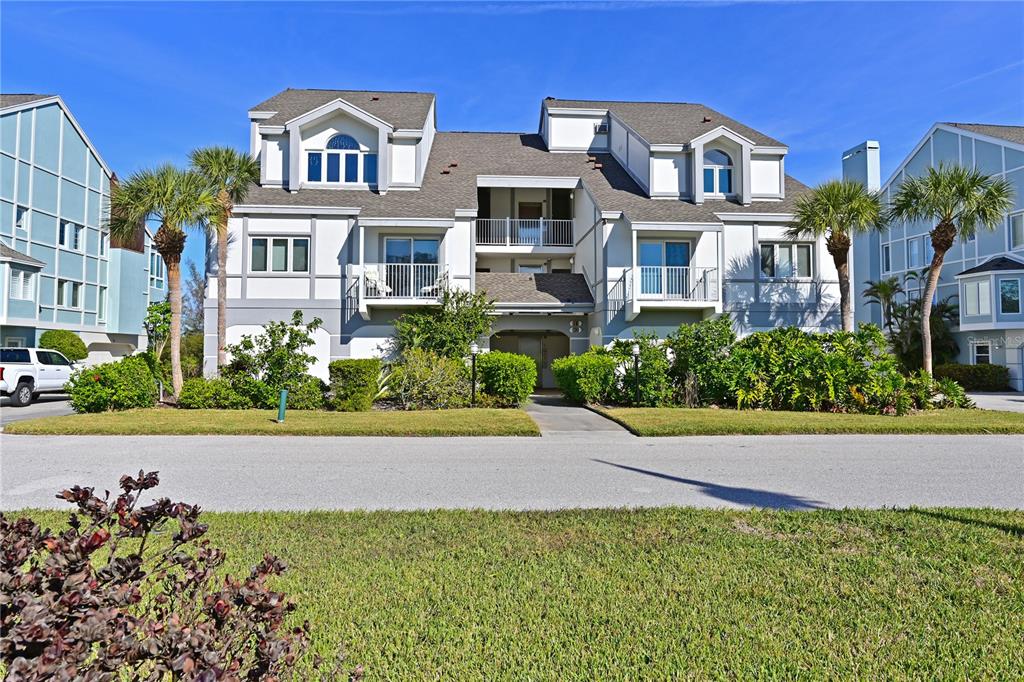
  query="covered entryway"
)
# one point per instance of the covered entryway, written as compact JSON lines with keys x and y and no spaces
{"x":543,"y":347}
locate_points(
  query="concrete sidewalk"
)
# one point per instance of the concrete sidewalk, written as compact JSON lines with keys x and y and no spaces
{"x":558,"y":418}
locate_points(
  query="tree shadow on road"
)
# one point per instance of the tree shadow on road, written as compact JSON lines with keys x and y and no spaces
{"x":749,"y":497}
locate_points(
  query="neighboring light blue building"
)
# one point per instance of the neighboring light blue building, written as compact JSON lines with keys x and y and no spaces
{"x":984,"y":274}
{"x":58,"y":267}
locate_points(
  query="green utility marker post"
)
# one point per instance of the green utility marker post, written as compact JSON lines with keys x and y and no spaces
{"x":281,"y":405}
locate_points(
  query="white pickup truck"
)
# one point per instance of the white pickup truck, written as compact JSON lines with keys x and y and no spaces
{"x":27,"y":372}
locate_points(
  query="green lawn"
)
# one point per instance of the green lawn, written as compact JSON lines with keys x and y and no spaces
{"x":675,"y":421}
{"x":467,"y":422}
{"x":651,"y":594}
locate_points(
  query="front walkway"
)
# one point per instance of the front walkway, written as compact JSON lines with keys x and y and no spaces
{"x":556,"y":417}
{"x":1008,"y":402}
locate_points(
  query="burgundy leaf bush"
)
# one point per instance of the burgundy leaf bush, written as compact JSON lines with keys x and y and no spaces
{"x":133,"y":591}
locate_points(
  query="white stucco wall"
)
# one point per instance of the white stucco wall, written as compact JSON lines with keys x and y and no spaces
{"x":275,"y":158}
{"x":639,"y":160}
{"x":765,"y":175}
{"x":576,"y":132}
{"x":403,"y":161}
{"x":670,"y":174}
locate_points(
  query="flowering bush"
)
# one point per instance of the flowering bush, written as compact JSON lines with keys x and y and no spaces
{"x":135,"y":592}
{"x":122,"y":385}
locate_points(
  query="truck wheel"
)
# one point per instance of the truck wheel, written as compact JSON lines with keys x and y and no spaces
{"x":22,"y":395}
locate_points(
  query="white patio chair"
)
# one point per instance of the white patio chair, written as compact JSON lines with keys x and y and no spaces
{"x":433,"y":289}
{"x":374,"y":284}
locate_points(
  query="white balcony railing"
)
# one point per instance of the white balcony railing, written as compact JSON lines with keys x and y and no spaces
{"x":677,"y":283}
{"x":523,"y":232}
{"x":403,"y":280}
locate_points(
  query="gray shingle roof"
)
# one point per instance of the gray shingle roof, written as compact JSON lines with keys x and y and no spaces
{"x":519,"y":287}
{"x":514,"y":154}
{"x":13,"y":100}
{"x":9,"y":254}
{"x":667,"y":122}
{"x":1009,"y":133}
{"x":997,"y":264}
{"x":400,"y":109}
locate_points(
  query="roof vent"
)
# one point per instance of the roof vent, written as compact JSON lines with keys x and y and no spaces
{"x":707,"y":119}
{"x":598,"y":166}
{"x":453,"y":164}
{"x":374,"y":98}
{"x":591,"y":159}
{"x":445,"y":171}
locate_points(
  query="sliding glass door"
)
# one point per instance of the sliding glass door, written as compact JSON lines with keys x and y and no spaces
{"x":411,"y":266}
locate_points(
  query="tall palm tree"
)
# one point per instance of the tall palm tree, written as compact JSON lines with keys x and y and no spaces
{"x":837,"y":210}
{"x":884,"y":293}
{"x":229,"y":174}
{"x":179,"y":200}
{"x":959,"y":201}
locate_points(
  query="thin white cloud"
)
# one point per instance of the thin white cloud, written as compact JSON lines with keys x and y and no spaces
{"x":985,"y":74}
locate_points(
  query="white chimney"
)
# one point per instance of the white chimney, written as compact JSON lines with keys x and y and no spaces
{"x":861,"y":163}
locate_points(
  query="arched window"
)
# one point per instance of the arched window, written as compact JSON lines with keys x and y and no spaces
{"x":342,"y":161}
{"x":343,"y":142}
{"x":717,"y":172}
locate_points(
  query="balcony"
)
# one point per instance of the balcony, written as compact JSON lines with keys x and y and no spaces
{"x":420,"y":282}
{"x":521,"y":232}
{"x":678,"y":283}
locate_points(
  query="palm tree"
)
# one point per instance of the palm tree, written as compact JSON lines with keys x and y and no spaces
{"x":959,"y":201}
{"x":229,"y":174}
{"x":837,"y":210}
{"x":179,"y":200}
{"x":884,"y":293}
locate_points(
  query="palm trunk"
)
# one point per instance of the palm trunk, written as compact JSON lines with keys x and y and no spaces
{"x":942,"y":239}
{"x":845,"y":310}
{"x":174,"y":294}
{"x":222,"y":295}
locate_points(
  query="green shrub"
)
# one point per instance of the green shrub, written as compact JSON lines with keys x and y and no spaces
{"x":307,"y":394}
{"x":975,"y":377}
{"x":191,"y":355}
{"x":264,"y":364}
{"x":655,"y":386}
{"x":427,"y":381}
{"x":211,"y":394}
{"x":448,"y":329}
{"x":700,"y":361}
{"x":354,"y":384}
{"x":122,"y":385}
{"x":586,"y":378}
{"x":65,"y":342}
{"x":952,"y":394}
{"x":507,"y":377}
{"x":255,"y":391}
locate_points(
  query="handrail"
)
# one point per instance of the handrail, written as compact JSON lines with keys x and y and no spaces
{"x":524,"y":232}
{"x":678,"y":283}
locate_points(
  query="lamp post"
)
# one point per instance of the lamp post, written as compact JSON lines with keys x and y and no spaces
{"x":474,"y":350}
{"x":636,"y":372}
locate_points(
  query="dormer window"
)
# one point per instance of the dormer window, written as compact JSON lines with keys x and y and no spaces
{"x":342,"y":162}
{"x":717,"y":172}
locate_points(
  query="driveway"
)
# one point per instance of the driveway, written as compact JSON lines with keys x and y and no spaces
{"x":51,"y":405}
{"x":590,"y":470}
{"x":1009,"y":401}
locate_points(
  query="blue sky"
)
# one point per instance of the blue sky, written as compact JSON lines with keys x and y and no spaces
{"x":150,"y":81}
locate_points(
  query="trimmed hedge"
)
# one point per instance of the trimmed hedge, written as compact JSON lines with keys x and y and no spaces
{"x":307,"y":394}
{"x":66,"y":342}
{"x":354,"y":384}
{"x":586,"y":378}
{"x":975,"y":377}
{"x":122,"y":385}
{"x":427,"y":381}
{"x":205,"y":394}
{"x":508,"y":378}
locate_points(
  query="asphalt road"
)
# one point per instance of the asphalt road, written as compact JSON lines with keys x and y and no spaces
{"x":586,"y":470}
{"x":47,"y":405}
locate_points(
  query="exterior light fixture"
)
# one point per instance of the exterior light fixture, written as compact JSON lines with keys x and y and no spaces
{"x":474,"y":350}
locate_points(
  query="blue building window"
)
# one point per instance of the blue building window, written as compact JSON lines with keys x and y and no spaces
{"x":333,"y":167}
{"x":343,"y":142}
{"x":370,"y":169}
{"x":351,"y":168}
{"x":314,"y":164}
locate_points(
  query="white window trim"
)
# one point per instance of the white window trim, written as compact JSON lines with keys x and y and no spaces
{"x":291,"y":239}
{"x":1009,"y":231}
{"x":62,"y":290}
{"x":101,"y":304}
{"x":104,"y":245}
{"x":974,"y":351}
{"x":360,"y":154}
{"x":26,"y":218}
{"x":984,"y":303}
{"x":717,"y":168}
{"x":79,"y":236}
{"x":24,"y":290}
{"x":886,"y":258}
{"x":999,"y":292}
{"x":792,"y":246}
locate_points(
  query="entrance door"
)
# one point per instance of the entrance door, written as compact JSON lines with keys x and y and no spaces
{"x":554,"y":346}
{"x":530,"y":213}
{"x":542,"y":347}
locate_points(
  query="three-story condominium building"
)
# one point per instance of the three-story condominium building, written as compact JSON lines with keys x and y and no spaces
{"x":613,"y":217}
{"x":59,"y":268}
{"x":983,"y":274}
